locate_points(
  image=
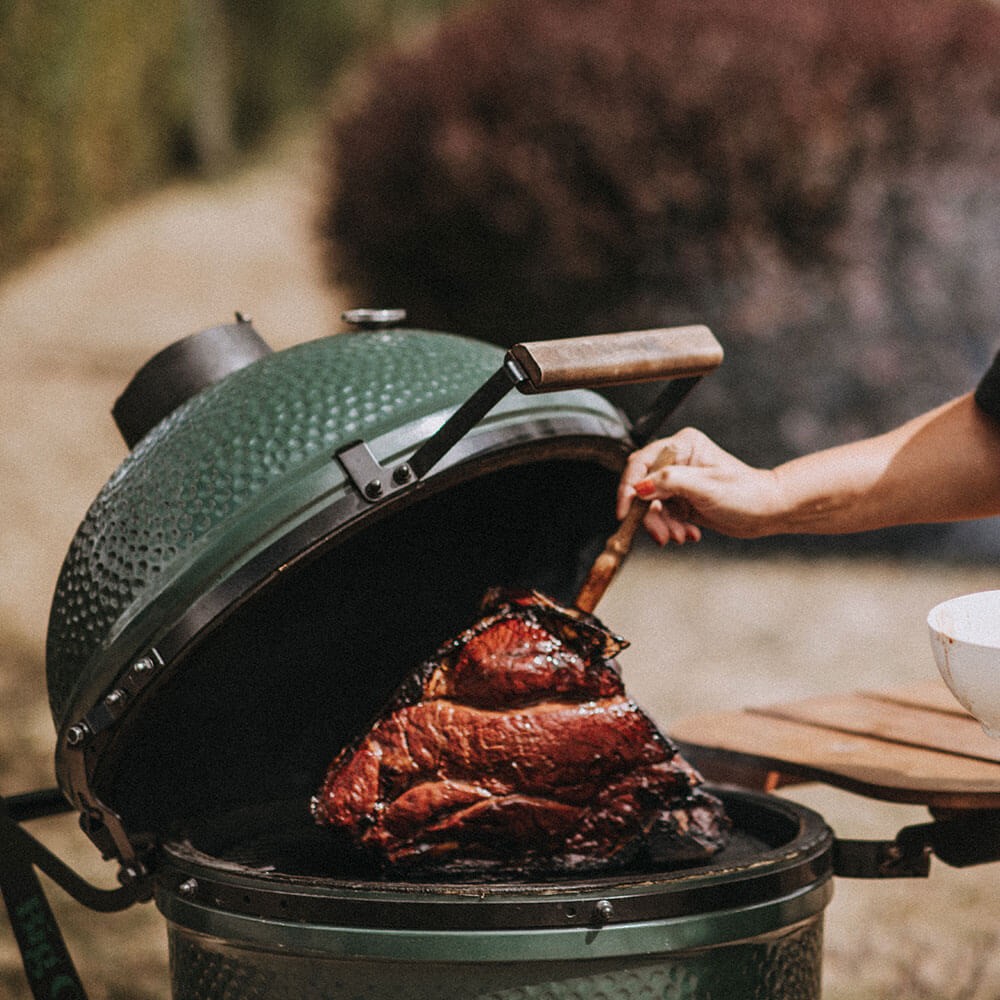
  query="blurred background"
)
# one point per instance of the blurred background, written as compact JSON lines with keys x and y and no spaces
{"x":817,"y":180}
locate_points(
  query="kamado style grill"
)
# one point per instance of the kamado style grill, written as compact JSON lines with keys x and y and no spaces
{"x":290,"y":533}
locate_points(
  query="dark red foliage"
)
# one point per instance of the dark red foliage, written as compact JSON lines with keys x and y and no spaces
{"x":545,"y":767}
{"x":544,"y":146}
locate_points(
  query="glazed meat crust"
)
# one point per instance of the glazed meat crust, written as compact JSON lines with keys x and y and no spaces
{"x":516,"y":748}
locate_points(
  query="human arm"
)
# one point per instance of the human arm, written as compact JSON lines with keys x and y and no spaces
{"x":941,"y":466}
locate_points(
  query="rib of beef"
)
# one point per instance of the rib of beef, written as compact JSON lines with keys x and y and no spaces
{"x":515,"y":748}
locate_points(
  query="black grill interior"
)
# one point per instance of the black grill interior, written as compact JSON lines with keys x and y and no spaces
{"x":299,"y":670}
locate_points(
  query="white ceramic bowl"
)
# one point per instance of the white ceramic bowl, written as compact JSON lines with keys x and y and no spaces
{"x":965,"y":636}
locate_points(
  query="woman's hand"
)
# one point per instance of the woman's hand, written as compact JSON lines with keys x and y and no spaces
{"x":707,"y":487}
{"x":938,"y":467}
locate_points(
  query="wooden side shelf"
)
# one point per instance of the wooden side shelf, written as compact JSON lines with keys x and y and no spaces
{"x":912,"y":744}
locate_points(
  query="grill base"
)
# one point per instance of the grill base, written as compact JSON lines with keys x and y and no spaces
{"x":785,"y":964}
{"x":748,"y":925}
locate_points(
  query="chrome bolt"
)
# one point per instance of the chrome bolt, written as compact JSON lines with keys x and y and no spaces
{"x":402,"y":475}
{"x":143,"y":666}
{"x":76,"y":735}
{"x":189,"y":887}
{"x":603,"y":911}
{"x":115,"y":698}
{"x":374,"y":489}
{"x":130,"y":874}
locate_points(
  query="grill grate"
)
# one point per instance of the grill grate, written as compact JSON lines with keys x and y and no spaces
{"x":281,"y":839}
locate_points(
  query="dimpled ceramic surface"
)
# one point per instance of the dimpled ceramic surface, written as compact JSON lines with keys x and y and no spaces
{"x":214,"y":478}
{"x":783,"y":965}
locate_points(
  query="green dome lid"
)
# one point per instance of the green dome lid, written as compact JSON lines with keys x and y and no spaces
{"x":237,"y":465}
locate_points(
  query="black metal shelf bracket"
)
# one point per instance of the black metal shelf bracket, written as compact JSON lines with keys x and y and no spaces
{"x":961,"y":839}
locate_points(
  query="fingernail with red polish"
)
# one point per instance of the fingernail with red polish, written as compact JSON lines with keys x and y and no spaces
{"x":644,"y":488}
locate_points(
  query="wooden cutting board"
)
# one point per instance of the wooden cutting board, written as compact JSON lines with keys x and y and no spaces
{"x":910,"y":744}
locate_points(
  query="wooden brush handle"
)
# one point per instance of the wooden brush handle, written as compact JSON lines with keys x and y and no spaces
{"x":617,"y":546}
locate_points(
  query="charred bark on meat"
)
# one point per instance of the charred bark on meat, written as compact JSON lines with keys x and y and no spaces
{"x":515,"y":749}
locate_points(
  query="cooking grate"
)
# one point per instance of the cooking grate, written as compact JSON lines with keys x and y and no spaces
{"x":281,"y":838}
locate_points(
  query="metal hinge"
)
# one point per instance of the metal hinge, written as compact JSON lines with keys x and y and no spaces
{"x":100,"y":822}
{"x":107,"y":712}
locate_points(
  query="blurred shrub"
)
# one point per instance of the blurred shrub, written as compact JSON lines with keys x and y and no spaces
{"x":817,"y":180}
{"x":91,"y":100}
{"x":284,"y":53}
{"x":102,"y":100}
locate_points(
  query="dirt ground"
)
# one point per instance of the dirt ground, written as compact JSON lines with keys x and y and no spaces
{"x":708,"y":632}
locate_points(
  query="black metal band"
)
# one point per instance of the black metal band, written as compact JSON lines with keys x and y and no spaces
{"x":745,"y":874}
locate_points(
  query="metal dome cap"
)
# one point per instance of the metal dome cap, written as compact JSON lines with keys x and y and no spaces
{"x":357,"y":492}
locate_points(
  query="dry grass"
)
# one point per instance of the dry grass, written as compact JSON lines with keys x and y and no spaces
{"x":707,"y":632}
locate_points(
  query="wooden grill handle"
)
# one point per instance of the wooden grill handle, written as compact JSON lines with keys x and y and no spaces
{"x":618,"y":358}
{"x":606,"y":565}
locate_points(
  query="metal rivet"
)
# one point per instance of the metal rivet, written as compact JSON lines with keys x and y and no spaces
{"x":189,"y":887}
{"x":402,"y":475}
{"x":603,"y":911}
{"x":116,"y":697}
{"x":373,"y":489}
{"x":130,"y":874}
{"x":143,"y":666}
{"x":76,"y":735}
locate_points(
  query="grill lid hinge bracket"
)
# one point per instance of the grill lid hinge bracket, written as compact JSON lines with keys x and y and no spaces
{"x":110,"y":709}
{"x":375,"y":481}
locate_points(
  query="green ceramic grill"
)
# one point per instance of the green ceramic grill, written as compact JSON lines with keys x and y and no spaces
{"x":293,"y":530}
{"x":290,"y":533}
